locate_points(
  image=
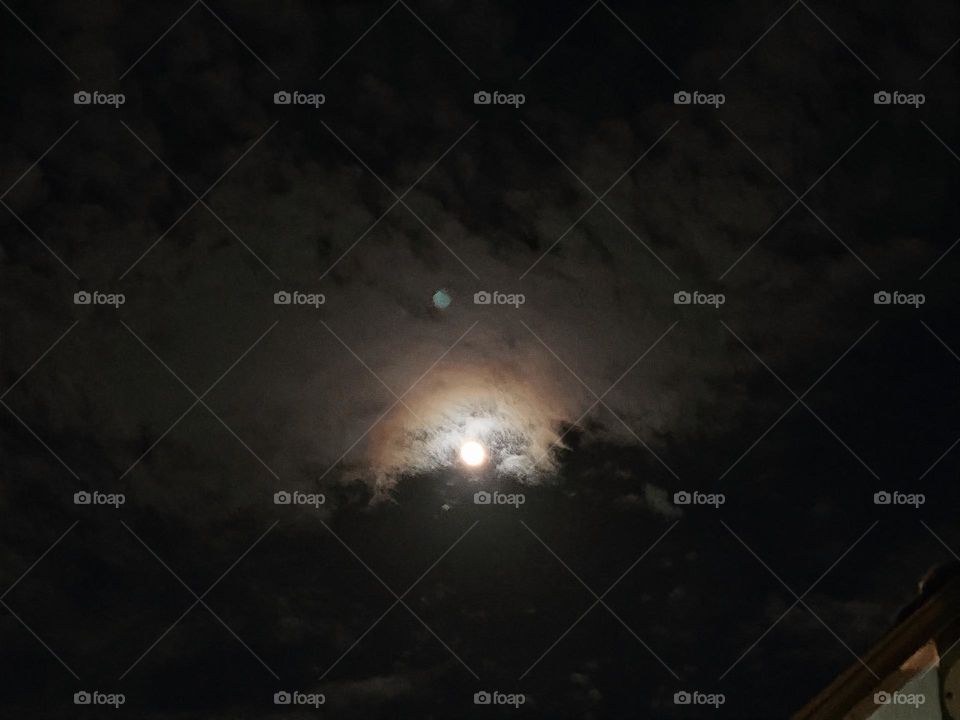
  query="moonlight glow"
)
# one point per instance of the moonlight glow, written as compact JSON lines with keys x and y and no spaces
{"x":511,"y":419}
{"x":472,"y":453}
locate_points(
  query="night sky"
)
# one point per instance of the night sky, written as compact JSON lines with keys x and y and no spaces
{"x":786,"y":200}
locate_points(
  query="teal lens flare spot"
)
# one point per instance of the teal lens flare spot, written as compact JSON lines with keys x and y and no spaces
{"x":442,"y":299}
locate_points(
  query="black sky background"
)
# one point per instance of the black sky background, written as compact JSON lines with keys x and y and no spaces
{"x":883,"y":418}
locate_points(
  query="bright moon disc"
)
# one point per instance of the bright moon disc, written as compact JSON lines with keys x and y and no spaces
{"x":472,"y":453}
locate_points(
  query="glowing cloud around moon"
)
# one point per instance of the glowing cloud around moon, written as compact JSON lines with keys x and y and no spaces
{"x":474,"y":416}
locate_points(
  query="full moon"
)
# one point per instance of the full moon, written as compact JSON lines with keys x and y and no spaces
{"x":472,"y":453}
